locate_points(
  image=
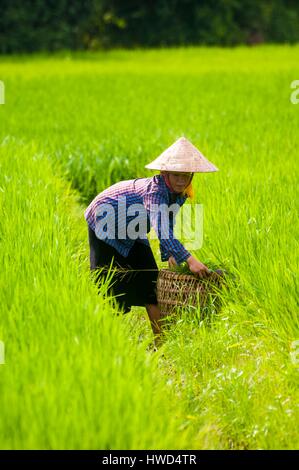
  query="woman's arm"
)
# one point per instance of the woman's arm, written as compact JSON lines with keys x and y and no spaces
{"x":170,"y":245}
{"x":156,"y":206}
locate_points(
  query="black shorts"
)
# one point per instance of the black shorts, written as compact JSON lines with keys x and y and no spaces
{"x":130,"y":287}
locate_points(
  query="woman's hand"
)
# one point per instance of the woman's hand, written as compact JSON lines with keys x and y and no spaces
{"x":196,"y":267}
{"x":172,"y":262}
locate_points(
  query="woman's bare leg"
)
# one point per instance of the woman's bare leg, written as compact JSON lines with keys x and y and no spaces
{"x":154,"y":314}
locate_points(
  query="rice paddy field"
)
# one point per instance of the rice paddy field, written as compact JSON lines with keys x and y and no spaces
{"x":79,"y":376}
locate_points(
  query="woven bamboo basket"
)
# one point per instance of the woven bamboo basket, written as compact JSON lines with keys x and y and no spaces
{"x":176,"y":290}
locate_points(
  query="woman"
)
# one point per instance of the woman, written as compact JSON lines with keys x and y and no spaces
{"x":116,"y":239}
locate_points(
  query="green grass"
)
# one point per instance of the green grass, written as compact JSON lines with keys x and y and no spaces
{"x":77,"y":375}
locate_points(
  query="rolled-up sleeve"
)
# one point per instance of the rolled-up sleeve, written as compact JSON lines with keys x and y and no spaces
{"x":157,"y":210}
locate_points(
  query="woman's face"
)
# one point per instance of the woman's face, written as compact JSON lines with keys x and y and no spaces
{"x":179,"y":181}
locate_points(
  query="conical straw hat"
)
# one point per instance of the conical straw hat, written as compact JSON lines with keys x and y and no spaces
{"x":182,"y":156}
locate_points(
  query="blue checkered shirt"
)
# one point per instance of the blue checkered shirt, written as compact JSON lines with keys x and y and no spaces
{"x":148,"y":192}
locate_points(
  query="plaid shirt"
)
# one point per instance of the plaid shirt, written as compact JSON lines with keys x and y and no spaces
{"x":148,"y":192}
